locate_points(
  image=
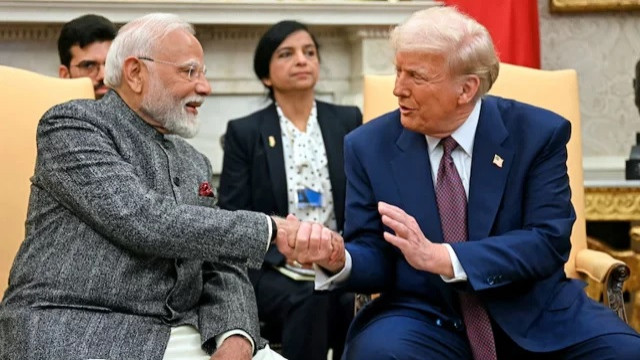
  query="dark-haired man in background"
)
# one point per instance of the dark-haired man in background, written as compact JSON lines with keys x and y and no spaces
{"x":82,"y":46}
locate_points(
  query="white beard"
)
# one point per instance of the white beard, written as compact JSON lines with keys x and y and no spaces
{"x":169,"y":111}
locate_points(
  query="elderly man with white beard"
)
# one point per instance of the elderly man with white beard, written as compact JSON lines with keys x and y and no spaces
{"x":125,"y":254}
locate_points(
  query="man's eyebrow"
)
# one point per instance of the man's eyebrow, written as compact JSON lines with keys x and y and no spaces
{"x":191,"y":63}
{"x":88,"y":62}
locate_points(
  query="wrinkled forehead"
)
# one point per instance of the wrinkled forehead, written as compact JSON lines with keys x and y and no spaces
{"x":420,"y":58}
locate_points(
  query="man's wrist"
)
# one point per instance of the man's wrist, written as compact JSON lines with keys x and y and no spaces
{"x":274,"y":229}
{"x":236,"y":333}
{"x":238,"y":341}
{"x":444,"y":265}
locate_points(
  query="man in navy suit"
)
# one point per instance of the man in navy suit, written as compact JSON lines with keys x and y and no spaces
{"x":476,"y":272}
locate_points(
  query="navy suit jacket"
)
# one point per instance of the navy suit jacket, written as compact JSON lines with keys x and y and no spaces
{"x":253,"y":174}
{"x":519,"y":222}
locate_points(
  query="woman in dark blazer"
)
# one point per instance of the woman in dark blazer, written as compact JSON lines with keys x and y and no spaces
{"x":288,"y":158}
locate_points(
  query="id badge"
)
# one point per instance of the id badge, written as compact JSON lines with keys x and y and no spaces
{"x":309,"y":198}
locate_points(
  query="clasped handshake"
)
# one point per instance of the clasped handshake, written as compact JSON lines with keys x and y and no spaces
{"x":305,"y":243}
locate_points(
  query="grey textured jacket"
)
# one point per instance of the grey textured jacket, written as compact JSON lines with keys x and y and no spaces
{"x":119,"y":245}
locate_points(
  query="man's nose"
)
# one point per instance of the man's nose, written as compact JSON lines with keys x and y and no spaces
{"x":100,"y":75}
{"x":400,"y":89}
{"x":203,"y":87}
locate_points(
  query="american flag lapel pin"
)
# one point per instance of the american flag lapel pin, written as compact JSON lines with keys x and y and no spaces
{"x":272,"y":141}
{"x":497,"y":160}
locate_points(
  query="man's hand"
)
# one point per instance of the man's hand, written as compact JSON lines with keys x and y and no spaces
{"x":312,"y":243}
{"x":290,"y":225}
{"x":419,"y":252}
{"x":235,"y":347}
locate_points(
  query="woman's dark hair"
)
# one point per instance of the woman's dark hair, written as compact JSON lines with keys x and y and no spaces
{"x":270,"y":41}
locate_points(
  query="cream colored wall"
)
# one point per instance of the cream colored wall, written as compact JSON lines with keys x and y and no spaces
{"x":603,"y":48}
{"x":352,"y":35}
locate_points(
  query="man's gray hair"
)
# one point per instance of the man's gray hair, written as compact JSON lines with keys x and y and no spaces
{"x":139,"y":37}
{"x":464,"y":42}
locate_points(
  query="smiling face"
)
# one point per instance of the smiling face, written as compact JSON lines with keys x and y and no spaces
{"x":432,"y":100}
{"x":88,"y":62}
{"x":176,"y":84}
{"x":294,"y":65}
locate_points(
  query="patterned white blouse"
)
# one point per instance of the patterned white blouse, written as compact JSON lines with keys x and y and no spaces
{"x":306,"y":166}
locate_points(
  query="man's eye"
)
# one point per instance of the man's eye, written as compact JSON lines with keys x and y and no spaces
{"x":190,"y":71}
{"x":89,"y":65}
{"x":419,"y":77}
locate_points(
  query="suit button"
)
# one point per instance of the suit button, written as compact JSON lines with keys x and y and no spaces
{"x":439,"y":322}
{"x":176,"y":181}
{"x":491,"y":280}
{"x":457,"y":324}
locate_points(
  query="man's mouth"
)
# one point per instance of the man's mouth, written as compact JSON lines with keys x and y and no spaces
{"x":100,"y":89}
{"x":192,"y":107}
{"x":405,"y":109}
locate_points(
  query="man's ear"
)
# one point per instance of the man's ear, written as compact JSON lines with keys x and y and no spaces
{"x":469,"y":89}
{"x":133,"y":74}
{"x":63,"y":72}
{"x":267,"y":82}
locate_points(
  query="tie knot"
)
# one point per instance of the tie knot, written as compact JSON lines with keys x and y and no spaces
{"x":448,"y":144}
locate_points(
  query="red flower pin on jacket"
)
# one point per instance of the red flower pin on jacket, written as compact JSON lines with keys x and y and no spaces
{"x":206,"y":190}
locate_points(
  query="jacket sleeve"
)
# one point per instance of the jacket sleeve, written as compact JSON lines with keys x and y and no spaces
{"x":373,"y":261}
{"x":236,"y":190}
{"x":79,"y":165}
{"x":228,"y":303}
{"x":540,"y":247}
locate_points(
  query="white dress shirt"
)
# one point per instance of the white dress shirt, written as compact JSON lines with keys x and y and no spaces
{"x":184,"y":344}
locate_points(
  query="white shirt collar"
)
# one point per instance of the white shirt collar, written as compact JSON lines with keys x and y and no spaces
{"x":465,"y":134}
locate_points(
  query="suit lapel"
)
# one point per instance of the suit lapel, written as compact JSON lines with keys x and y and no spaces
{"x":488,"y":180}
{"x":412,"y":173}
{"x":272,"y":142}
{"x":333,"y":138}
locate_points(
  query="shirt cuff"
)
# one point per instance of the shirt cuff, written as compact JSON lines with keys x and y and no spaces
{"x":325,"y":281}
{"x":270,"y":227}
{"x":458,"y":272}
{"x":222,"y":337}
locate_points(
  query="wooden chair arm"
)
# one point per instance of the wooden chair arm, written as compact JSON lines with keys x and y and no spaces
{"x":605,"y":275}
{"x":596,"y":264}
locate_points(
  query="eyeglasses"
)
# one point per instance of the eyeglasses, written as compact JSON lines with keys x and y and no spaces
{"x":191,"y":72}
{"x":89,"y":67}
